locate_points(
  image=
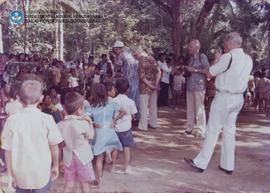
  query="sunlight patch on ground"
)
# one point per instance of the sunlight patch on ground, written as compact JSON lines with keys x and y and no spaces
{"x":255,"y":128}
{"x":160,"y":143}
{"x":252,"y":143}
{"x":144,"y":170}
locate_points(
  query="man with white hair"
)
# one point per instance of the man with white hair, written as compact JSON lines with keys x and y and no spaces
{"x":232,"y":73}
{"x":129,"y":66}
{"x":196,"y":91}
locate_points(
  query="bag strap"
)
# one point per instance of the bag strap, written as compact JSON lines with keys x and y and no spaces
{"x":229,"y":66}
{"x":200,"y":60}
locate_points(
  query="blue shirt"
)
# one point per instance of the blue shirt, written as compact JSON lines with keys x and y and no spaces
{"x":129,"y":67}
{"x":103,"y":115}
{"x":196,"y":82}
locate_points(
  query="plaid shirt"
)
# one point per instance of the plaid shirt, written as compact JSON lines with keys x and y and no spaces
{"x":148,"y":70}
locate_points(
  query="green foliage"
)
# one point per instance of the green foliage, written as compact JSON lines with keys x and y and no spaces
{"x":141,"y":24}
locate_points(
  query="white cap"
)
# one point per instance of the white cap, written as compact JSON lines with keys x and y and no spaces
{"x":118,"y":44}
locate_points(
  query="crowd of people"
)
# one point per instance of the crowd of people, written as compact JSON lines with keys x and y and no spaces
{"x":89,"y":110}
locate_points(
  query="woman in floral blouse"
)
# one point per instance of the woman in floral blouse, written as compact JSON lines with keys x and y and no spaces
{"x":149,"y":73}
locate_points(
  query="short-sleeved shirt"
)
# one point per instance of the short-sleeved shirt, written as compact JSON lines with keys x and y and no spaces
{"x":28,"y":134}
{"x":128,"y":105}
{"x":235,"y":78}
{"x":13,"y":107}
{"x":148,"y":70}
{"x":73,"y":129}
{"x":166,"y":72}
{"x":196,"y":82}
{"x":103,"y":115}
{"x":129,"y":66}
{"x":73,"y":82}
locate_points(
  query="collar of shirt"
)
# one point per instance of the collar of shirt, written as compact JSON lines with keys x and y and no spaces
{"x":73,"y":117}
{"x":31,"y":108}
{"x":122,"y":96}
{"x":236,"y":50}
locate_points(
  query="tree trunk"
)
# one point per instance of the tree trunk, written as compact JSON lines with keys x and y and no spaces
{"x":61,"y":34}
{"x":1,"y":39}
{"x":174,"y":12}
{"x":27,"y":4}
{"x":61,"y":46}
{"x":56,"y":51}
{"x":25,"y":9}
{"x":176,"y":37}
{"x":268,"y":58}
{"x":207,"y":7}
{"x":269,"y":48}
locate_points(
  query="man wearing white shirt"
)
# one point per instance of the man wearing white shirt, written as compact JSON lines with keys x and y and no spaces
{"x":164,"y":81}
{"x":232,"y":73}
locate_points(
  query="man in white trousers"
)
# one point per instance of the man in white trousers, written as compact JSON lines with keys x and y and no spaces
{"x":196,"y":86}
{"x":232,"y":73}
{"x":150,"y":74}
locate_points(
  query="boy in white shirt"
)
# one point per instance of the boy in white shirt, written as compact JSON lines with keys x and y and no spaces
{"x":123,"y":126}
{"x":31,"y":140}
{"x":76,"y":130}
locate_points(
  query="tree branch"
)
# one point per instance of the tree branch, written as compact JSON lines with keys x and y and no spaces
{"x":207,"y":7}
{"x":163,"y":6}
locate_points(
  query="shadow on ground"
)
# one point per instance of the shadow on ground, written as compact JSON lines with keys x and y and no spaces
{"x":157,"y":160}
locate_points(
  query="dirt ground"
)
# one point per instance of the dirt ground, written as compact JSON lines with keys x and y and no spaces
{"x":158,"y":167}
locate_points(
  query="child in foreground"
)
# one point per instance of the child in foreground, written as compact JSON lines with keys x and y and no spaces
{"x":76,"y":130}
{"x":31,"y":140}
{"x":103,"y":113}
{"x":123,"y":126}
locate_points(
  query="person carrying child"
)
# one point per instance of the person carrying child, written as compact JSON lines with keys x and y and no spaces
{"x":31,"y":140}
{"x":76,"y":130}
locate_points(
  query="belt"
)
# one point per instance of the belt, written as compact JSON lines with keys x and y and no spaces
{"x":228,"y":92}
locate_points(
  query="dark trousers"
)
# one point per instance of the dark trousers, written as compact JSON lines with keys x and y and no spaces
{"x":163,"y":94}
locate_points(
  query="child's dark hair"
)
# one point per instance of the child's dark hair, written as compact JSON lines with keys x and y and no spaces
{"x":56,"y":88}
{"x":79,"y":89}
{"x":46,"y":93}
{"x":99,"y":96}
{"x":122,"y":85}
{"x":73,"y":101}
{"x":109,"y":86}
